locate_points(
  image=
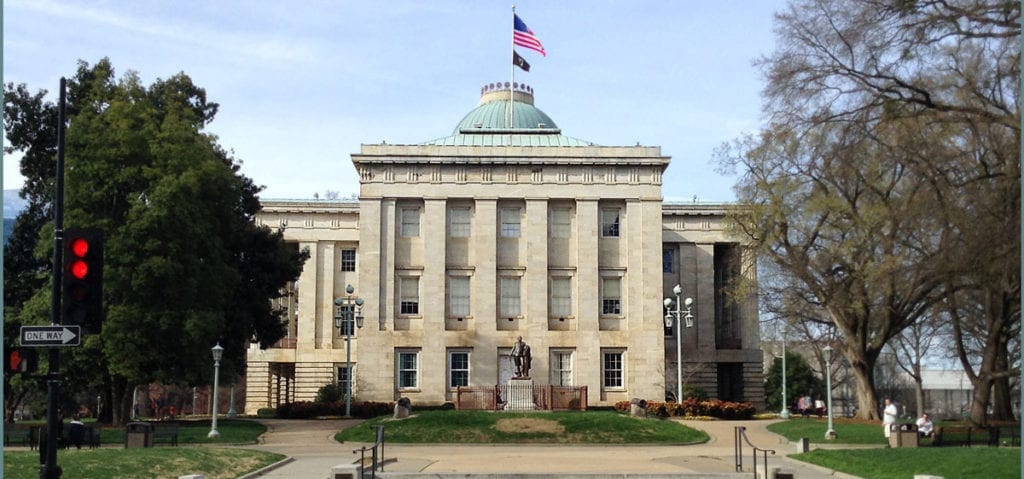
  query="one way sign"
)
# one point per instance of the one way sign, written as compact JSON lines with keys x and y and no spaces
{"x":41,"y":336}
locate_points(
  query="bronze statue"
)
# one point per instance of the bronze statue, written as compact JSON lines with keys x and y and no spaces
{"x":521,"y":358}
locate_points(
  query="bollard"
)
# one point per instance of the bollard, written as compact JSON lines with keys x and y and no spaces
{"x":346,"y":471}
{"x":192,"y":476}
{"x":802,"y":445}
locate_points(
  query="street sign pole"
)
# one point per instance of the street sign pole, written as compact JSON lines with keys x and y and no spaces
{"x":49,"y":468}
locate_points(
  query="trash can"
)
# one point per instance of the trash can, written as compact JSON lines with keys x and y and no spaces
{"x":138,"y":434}
{"x":903,"y":435}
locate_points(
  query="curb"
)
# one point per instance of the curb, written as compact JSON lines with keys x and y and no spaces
{"x":266,"y":469}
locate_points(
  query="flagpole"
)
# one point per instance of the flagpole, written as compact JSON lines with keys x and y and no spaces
{"x":511,"y":85}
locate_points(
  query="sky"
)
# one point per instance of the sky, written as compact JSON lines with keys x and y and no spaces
{"x":301,"y":85}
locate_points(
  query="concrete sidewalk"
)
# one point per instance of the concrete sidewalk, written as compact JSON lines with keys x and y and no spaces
{"x":313,"y":452}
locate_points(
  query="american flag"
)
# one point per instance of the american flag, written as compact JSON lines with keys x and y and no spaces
{"x":524,"y":37}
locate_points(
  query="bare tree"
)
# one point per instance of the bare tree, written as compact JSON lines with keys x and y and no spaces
{"x":910,"y":349}
{"x":888,"y":177}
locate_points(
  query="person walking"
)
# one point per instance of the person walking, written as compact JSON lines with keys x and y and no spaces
{"x":889,"y":417}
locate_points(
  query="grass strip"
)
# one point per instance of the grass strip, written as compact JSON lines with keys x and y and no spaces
{"x":591,"y":427}
{"x":159,"y":462}
{"x":902,"y":463}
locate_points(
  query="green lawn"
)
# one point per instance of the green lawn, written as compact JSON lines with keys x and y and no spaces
{"x":158,"y":462}
{"x":847,"y":431}
{"x":232,"y":431}
{"x":600,"y":427}
{"x":903,"y":463}
{"x":883,"y":463}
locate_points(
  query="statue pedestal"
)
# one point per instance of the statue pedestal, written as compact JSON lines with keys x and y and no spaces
{"x":520,"y":395}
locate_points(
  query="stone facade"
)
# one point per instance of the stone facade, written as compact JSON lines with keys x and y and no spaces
{"x":459,"y":246}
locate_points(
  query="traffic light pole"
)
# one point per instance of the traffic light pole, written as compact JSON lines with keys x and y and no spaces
{"x":48,"y":468}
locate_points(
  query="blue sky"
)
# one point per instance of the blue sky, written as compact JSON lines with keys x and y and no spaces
{"x":301,"y":85}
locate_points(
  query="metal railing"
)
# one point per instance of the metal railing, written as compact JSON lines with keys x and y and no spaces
{"x":375,"y":462}
{"x":543,"y":397}
{"x":740,"y":433}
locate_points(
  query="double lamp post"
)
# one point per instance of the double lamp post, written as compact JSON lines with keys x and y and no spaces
{"x":679,"y":315}
{"x":347,"y":319}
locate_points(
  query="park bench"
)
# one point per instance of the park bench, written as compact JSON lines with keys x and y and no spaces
{"x":949,"y":435}
{"x":165,"y":432}
{"x":1008,"y":431}
{"x":18,"y":435}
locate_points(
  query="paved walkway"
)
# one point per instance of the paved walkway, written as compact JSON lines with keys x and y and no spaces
{"x":313,"y":452}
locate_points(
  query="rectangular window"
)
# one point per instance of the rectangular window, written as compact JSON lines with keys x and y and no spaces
{"x":610,"y":222}
{"x":611,"y":296}
{"x":561,"y":297}
{"x":410,"y":220}
{"x":612,"y":369}
{"x":510,"y":227}
{"x":343,"y":376}
{"x":561,"y":368}
{"x":458,"y":296}
{"x":668,"y":261}
{"x":346,"y":320}
{"x":409,"y":288}
{"x":408,"y":363}
{"x":458,"y":222}
{"x":458,"y":368}
{"x":561,"y":222}
{"x":509,"y":301}
{"x":348,"y":260}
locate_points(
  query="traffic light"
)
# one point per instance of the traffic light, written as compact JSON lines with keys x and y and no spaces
{"x":83,"y":278}
{"x":22,"y":360}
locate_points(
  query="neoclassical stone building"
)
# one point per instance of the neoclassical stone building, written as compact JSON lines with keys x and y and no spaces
{"x":459,"y":245}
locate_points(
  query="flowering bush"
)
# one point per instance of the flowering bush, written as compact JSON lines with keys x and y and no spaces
{"x":693,"y":407}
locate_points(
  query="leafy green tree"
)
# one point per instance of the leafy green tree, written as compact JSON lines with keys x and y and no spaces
{"x":800,"y":380}
{"x":185,"y":264}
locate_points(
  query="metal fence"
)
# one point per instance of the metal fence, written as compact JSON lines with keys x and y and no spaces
{"x":542,"y":397}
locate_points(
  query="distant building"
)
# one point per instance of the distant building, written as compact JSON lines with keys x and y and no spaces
{"x":461,"y":244}
{"x":948,"y":393}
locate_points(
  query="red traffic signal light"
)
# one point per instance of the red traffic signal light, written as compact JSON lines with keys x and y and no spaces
{"x":83,"y":278}
{"x":79,"y":248}
{"x":21,"y":360}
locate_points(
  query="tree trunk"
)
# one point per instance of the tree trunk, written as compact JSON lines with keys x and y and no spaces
{"x":867,"y":400}
{"x":121,"y":401}
{"x":979,"y":401}
{"x":1002,"y":403}
{"x":919,"y":395}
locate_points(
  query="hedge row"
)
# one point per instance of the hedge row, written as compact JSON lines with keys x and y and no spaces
{"x":694,"y":407}
{"x":309,"y":409}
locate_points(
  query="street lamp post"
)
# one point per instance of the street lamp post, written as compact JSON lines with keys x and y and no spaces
{"x":678,"y":290}
{"x":217,"y":351}
{"x":349,"y":308}
{"x":231,"y":405}
{"x":831,"y":433}
{"x":846,"y":387}
{"x":784,"y":414}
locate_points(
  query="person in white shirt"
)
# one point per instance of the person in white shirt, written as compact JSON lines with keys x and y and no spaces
{"x":889,"y":416}
{"x":924,"y":426}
